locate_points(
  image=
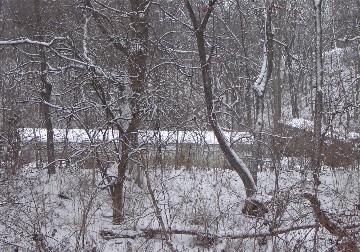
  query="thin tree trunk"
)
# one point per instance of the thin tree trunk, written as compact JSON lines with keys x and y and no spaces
{"x":318,"y":110}
{"x":259,"y":90}
{"x":293,"y":89}
{"x":276,"y":81}
{"x":236,"y":163}
{"x":316,"y":159}
{"x":357,"y":85}
{"x":248,"y":88}
{"x":357,"y":73}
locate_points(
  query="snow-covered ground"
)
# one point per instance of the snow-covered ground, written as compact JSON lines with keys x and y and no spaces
{"x":201,"y":208}
{"x":68,"y":212}
{"x":167,"y":137}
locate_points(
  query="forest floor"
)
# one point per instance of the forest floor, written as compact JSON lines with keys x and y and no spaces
{"x":200,"y":210}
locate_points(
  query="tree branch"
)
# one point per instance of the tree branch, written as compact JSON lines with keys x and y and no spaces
{"x":164,"y":232}
{"x":192,"y":15}
{"x":31,"y":42}
{"x":209,"y":9}
{"x":149,"y":232}
{"x":330,"y":226}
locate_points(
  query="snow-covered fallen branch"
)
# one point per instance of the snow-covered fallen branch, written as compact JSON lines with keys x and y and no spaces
{"x":29,"y":41}
{"x":152,"y":233}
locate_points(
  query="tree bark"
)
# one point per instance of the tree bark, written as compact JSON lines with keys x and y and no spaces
{"x":277,"y":89}
{"x":293,"y":89}
{"x":135,"y":50}
{"x":236,"y":163}
{"x":316,"y":159}
{"x":45,"y":95}
{"x":248,"y":88}
{"x":259,"y":90}
{"x":348,"y":244}
{"x":151,"y":232}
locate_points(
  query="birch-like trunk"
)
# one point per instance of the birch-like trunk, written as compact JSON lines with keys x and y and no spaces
{"x":259,"y":90}
{"x":316,"y":159}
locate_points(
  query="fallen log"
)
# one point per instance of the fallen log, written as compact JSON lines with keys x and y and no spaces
{"x":152,"y":233}
{"x":345,"y":241}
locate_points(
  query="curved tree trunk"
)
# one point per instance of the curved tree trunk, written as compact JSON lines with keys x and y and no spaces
{"x":252,"y":206}
{"x":236,"y":163}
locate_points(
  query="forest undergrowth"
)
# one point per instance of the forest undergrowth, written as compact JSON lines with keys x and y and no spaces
{"x":185,"y":209}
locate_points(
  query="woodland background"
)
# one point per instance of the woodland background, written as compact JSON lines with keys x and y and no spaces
{"x":106,"y":101}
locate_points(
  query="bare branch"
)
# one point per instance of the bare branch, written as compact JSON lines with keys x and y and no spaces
{"x":149,"y":232}
{"x":209,"y":10}
{"x":164,"y":231}
{"x":329,"y":225}
{"x":192,"y":15}
{"x":31,"y":42}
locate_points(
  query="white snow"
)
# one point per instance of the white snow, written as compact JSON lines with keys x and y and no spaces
{"x":260,"y":83}
{"x":300,"y":123}
{"x":317,"y":2}
{"x":30,"y":41}
{"x":308,"y":125}
{"x":150,"y":136}
{"x":198,"y":200}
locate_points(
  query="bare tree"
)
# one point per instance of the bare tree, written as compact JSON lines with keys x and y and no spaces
{"x":260,"y":88}
{"x":134,"y":47}
{"x":318,"y":113}
{"x":45,"y":92}
{"x":252,"y":206}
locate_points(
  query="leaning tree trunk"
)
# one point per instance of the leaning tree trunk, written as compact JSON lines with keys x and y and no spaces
{"x":252,"y":206}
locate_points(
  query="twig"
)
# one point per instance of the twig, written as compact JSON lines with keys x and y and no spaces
{"x":163,"y":231}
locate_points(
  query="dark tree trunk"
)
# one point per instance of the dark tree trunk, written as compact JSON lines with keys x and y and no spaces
{"x":118,"y":197}
{"x":45,"y":95}
{"x":277,"y":89}
{"x":236,"y":163}
{"x":248,"y":86}
{"x":135,"y":50}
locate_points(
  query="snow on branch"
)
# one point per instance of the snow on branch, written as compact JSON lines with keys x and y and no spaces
{"x":346,"y":39}
{"x":149,"y":232}
{"x":29,"y":41}
{"x":317,"y":2}
{"x":266,"y":68}
{"x":260,"y":83}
